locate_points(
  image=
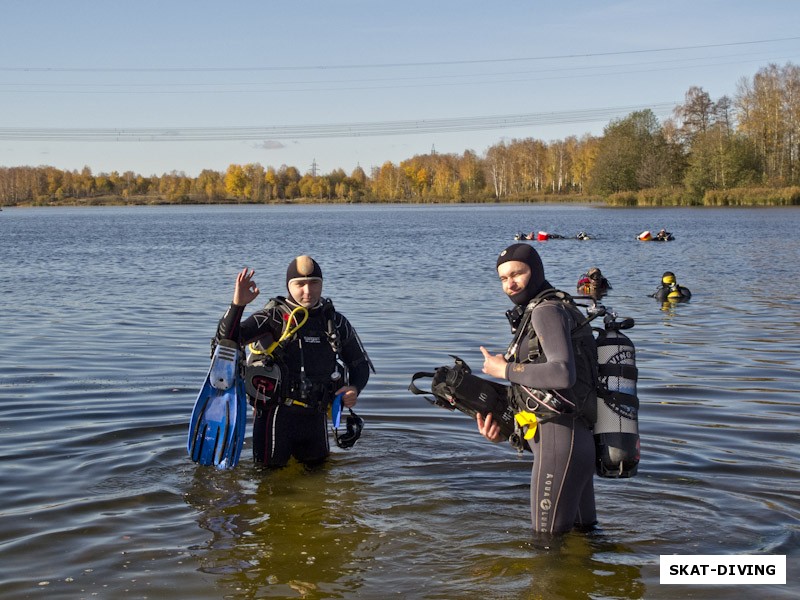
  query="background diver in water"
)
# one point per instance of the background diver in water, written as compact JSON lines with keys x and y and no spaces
{"x":670,"y":291}
{"x":593,"y":283}
{"x":321,"y":359}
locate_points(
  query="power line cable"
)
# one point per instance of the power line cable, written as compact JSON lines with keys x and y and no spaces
{"x":448,"y":80}
{"x":387,"y":65}
{"x":337,"y":130}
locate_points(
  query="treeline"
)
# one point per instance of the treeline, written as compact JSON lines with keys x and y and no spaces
{"x":739,"y":151}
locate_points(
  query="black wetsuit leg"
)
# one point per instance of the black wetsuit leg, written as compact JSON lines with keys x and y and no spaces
{"x":280,"y":432}
{"x":562,"y":487}
{"x":310,"y":443}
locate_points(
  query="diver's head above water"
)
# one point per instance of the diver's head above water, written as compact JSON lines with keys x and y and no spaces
{"x":521,"y":273}
{"x":304,"y":281}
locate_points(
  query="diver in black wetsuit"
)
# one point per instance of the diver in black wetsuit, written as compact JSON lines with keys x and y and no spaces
{"x":670,"y":291}
{"x":663,"y":235}
{"x":322,"y":359}
{"x":562,"y":489}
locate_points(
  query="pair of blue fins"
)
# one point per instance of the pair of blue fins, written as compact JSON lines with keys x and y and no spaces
{"x":219,"y":417}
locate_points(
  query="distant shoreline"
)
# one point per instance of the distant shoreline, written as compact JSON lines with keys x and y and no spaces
{"x":743,"y":197}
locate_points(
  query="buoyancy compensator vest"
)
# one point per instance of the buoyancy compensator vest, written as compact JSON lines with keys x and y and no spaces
{"x":303,"y":367}
{"x":581,"y":398}
{"x":616,"y":432}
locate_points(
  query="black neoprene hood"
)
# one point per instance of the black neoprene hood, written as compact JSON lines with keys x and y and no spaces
{"x":526,"y":254}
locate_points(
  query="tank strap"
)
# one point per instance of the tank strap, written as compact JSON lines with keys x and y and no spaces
{"x":626,"y":371}
{"x":619,"y":398}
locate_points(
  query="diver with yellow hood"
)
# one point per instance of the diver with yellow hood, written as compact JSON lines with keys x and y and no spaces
{"x":670,"y":291}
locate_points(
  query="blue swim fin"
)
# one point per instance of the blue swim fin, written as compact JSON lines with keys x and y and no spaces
{"x":219,"y":418}
{"x":336,"y":410}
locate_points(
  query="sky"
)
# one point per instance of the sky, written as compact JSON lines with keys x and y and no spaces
{"x":185,"y":85}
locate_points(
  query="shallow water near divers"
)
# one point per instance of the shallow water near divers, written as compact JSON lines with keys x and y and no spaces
{"x":107,"y":315}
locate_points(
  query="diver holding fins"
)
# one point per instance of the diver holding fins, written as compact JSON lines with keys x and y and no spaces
{"x":303,"y":357}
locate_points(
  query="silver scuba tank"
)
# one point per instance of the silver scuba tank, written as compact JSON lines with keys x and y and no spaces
{"x":616,"y":432}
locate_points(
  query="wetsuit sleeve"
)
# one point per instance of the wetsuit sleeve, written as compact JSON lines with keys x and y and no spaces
{"x":228,"y":327}
{"x":552,"y":326}
{"x":262,"y":325}
{"x":353,"y":354}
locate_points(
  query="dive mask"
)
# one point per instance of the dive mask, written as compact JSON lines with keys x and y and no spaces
{"x":354,"y":425}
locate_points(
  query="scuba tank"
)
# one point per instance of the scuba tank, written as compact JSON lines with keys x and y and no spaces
{"x":616,"y":432}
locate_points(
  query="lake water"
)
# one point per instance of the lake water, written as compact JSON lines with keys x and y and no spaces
{"x":106,"y":316}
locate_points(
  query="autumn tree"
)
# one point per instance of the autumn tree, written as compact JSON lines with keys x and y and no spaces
{"x":388,"y":182}
{"x":254,"y":182}
{"x":272,"y":188}
{"x":768,"y":113}
{"x":695,"y":115}
{"x":559,"y":163}
{"x":721,"y":159}
{"x":716,"y":157}
{"x":497,"y":166}
{"x":584,"y":155}
{"x":235,"y":181}
{"x":210,"y":186}
{"x":470,"y":174}
{"x":290,"y":179}
{"x":418,"y":172}
{"x":634,"y":154}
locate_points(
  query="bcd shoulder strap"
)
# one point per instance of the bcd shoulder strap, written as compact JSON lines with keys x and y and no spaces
{"x":584,"y":351}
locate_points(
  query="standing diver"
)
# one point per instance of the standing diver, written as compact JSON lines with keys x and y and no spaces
{"x":543,"y":356}
{"x":303,"y":355}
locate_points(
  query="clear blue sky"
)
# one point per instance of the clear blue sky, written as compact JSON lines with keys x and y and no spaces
{"x":286,"y":72}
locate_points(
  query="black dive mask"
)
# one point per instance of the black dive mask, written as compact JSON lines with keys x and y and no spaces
{"x":354,"y":426}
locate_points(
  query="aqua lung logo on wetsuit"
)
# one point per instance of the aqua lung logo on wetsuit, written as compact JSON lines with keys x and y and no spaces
{"x":546,"y":503}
